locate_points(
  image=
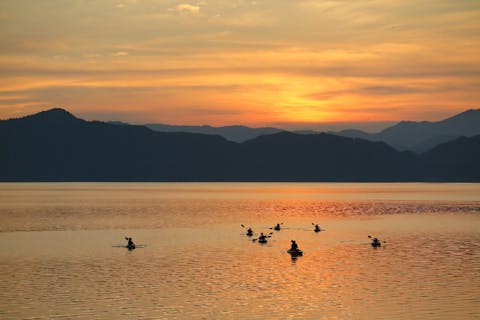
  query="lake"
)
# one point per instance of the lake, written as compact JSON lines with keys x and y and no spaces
{"x":61,"y":258}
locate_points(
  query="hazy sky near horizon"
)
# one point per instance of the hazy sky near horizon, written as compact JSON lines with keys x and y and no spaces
{"x":272,"y":62}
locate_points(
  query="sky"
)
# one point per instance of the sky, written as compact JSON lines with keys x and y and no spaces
{"x":291,"y":64}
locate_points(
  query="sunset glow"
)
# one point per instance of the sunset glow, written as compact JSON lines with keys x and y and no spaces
{"x":290,"y":63}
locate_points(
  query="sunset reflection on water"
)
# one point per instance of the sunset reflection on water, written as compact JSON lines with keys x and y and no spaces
{"x":58,"y":260}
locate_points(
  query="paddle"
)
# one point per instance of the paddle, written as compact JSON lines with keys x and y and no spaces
{"x":249,"y":231}
{"x":269,"y":236}
{"x":275,"y":226}
{"x":384,"y":241}
{"x":128,"y":239}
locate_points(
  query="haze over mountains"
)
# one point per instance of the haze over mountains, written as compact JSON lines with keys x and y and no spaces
{"x":56,"y":146}
{"x":233,"y":133}
{"x":406,"y":135}
{"x":423,"y":136}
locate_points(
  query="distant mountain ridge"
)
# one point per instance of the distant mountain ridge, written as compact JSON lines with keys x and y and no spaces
{"x":54,"y":145}
{"x":235,"y":133}
{"x":422,"y":136}
{"x":405,"y":135}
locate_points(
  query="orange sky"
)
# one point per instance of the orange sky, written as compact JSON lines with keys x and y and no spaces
{"x":289,"y":63}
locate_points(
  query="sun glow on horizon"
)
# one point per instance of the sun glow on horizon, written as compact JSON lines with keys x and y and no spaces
{"x":243,"y":62}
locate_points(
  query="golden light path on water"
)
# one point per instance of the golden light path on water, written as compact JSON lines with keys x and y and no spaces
{"x":57,"y":259}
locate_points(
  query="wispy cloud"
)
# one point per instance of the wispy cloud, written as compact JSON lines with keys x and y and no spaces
{"x":297,"y":61}
{"x":247,"y":19}
{"x":119,"y":54}
{"x":186,"y":8}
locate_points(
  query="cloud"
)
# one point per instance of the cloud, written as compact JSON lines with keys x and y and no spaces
{"x":91,"y":55}
{"x":247,"y":19}
{"x":186,"y":8}
{"x":119,"y":54}
{"x":388,"y":90}
{"x":392,"y":90}
{"x":326,"y":95}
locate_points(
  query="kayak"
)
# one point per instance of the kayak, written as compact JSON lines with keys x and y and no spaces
{"x":317,"y":230}
{"x":262,"y":240}
{"x":129,"y":247}
{"x":296,"y":252}
{"x":249,"y":234}
{"x":376,"y":244}
{"x":277,"y":228}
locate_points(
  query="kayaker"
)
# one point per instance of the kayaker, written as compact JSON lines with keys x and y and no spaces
{"x":294,"y":246}
{"x":317,"y":228}
{"x":277,"y":227}
{"x":376,"y":242}
{"x":130,"y":243}
{"x":262,"y":237}
{"x":249,"y":232}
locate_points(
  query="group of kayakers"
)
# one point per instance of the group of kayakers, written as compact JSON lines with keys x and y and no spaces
{"x":262,"y":238}
{"x":278,"y":228}
{"x":294,"y":250}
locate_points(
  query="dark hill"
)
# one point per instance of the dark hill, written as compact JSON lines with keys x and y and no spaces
{"x":317,"y":157}
{"x":454,"y":159}
{"x":56,"y":146}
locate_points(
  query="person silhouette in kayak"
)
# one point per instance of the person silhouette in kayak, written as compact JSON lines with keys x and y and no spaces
{"x":262,"y":238}
{"x":294,"y":246}
{"x":130,"y":244}
{"x":277,"y":227}
{"x":249,"y":232}
{"x":317,"y":228}
{"x":376,"y":242}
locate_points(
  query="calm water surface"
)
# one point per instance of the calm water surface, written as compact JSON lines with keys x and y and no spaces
{"x":59,"y":260}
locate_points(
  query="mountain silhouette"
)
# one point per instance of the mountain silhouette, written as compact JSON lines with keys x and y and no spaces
{"x":54,"y":145}
{"x":324,"y":157}
{"x":460,"y":157}
{"x":233,"y":133}
{"x":405,"y":135}
{"x":423,"y":136}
